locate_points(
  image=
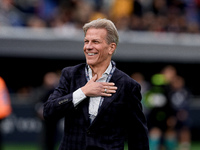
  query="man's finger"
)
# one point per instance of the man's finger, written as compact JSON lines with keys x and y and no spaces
{"x":94,"y":78}
{"x":110,"y":87}
{"x":108,"y":83}
{"x":106,"y":94}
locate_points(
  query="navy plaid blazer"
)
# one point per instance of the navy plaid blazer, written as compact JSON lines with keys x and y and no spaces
{"x":120,"y":116}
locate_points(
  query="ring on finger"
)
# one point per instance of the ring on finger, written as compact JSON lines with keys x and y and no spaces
{"x":105,"y":90}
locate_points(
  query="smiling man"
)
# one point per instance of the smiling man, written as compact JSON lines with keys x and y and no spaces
{"x":101,"y":104}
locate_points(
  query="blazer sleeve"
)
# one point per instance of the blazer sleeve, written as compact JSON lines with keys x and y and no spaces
{"x":136,"y":121}
{"x":59,"y":103}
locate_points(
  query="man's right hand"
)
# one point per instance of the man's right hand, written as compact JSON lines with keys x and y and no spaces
{"x":93,"y":88}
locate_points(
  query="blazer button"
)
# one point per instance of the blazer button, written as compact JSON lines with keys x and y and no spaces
{"x":88,"y":132}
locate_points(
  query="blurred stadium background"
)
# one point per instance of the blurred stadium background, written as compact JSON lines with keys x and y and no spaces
{"x":41,"y":36}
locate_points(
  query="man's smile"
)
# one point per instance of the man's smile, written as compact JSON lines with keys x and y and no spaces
{"x":91,"y":54}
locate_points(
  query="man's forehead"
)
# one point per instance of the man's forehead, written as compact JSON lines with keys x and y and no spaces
{"x":97,"y":33}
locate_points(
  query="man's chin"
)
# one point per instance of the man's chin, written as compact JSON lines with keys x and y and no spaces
{"x":90,"y":62}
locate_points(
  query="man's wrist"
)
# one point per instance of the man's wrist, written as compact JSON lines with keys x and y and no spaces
{"x":78,"y":96}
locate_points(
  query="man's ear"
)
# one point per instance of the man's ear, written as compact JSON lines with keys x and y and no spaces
{"x":112,"y":48}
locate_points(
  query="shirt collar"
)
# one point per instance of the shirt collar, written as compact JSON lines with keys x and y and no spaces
{"x":108,"y":70}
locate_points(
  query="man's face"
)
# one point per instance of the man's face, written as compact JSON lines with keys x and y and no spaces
{"x":96,"y":49}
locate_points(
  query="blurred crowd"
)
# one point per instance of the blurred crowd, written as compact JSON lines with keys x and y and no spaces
{"x":180,"y":16}
{"x":166,"y":102}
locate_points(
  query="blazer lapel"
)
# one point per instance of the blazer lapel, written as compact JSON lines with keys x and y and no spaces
{"x":108,"y":100}
{"x":86,"y":110}
{"x":81,"y":81}
{"x":80,"y":78}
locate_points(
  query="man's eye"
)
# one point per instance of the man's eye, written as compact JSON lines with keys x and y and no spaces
{"x":96,"y":42}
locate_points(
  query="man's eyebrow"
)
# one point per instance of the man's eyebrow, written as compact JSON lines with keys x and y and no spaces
{"x":85,"y":39}
{"x":92,"y":39}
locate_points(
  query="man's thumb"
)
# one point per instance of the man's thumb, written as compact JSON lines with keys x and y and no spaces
{"x":94,"y":78}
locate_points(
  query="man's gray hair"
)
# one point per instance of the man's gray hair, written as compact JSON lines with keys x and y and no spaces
{"x":112,"y":34}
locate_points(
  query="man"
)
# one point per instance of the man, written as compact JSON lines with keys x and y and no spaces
{"x":100,"y":103}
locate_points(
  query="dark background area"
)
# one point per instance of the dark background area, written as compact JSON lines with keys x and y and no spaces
{"x":19,"y":71}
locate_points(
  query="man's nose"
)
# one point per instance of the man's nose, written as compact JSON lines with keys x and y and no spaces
{"x":89,"y":45}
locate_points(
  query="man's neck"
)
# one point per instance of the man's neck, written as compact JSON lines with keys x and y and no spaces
{"x":99,"y":70}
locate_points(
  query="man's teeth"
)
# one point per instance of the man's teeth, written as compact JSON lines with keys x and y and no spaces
{"x":91,"y":54}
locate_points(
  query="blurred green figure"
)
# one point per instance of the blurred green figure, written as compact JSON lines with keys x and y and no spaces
{"x":159,"y":114}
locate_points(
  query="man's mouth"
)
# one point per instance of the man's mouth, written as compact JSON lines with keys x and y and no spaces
{"x":91,"y":54}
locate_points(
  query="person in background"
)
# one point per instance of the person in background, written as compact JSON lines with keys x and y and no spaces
{"x":49,"y":132}
{"x":5,"y":104}
{"x":157,"y":106}
{"x":10,"y":15}
{"x":101,"y":104}
{"x":139,"y":77}
{"x":179,"y":97}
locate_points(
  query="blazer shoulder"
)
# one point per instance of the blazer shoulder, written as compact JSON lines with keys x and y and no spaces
{"x":126,"y":78}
